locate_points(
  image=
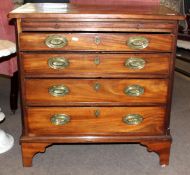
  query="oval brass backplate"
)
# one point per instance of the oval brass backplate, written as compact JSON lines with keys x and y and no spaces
{"x":135,"y":63}
{"x":56,"y":41}
{"x":58,"y":90}
{"x":60,"y":119}
{"x":134,"y":90}
{"x":58,"y":63}
{"x":133,"y":119}
{"x":137,"y":42}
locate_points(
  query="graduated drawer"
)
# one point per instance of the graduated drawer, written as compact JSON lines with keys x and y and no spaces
{"x":95,"y":42}
{"x":96,"y":91}
{"x":95,"y":120}
{"x":95,"y":65}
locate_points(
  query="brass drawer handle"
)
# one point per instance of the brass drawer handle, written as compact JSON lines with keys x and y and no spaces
{"x":56,"y":41}
{"x":60,"y":119}
{"x":58,"y":63}
{"x":135,"y":63}
{"x":59,"y":90}
{"x":134,"y":90}
{"x":138,"y":42}
{"x":133,"y":119}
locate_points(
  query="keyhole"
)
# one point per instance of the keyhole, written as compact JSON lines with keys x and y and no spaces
{"x":97,"y":113}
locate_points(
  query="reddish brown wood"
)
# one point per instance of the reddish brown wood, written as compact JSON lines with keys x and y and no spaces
{"x":30,"y":149}
{"x":86,"y":42}
{"x":83,"y":65}
{"x":82,"y":12}
{"x":21,"y":76}
{"x":80,"y":24}
{"x":171,"y":82}
{"x":94,"y":139}
{"x":82,"y":92}
{"x":83,"y":120}
{"x":158,"y":144}
{"x":129,"y":25}
{"x":162,"y":148}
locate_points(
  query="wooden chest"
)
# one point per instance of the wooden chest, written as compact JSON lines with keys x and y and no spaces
{"x":95,"y":74}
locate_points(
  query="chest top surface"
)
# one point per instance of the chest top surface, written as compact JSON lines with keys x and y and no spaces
{"x":78,"y":11}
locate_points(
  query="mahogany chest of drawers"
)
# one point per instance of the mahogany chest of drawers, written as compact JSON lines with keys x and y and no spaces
{"x":95,"y":74}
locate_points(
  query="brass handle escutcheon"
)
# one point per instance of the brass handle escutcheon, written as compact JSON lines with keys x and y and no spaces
{"x":56,"y":41}
{"x":97,"y":86}
{"x":60,"y":119}
{"x":134,"y":90}
{"x":138,"y":42}
{"x":59,"y":90}
{"x":97,"y":61}
{"x":97,"y":113}
{"x":58,"y":63}
{"x":97,"y":40}
{"x":133,"y":119}
{"x":135,"y":63}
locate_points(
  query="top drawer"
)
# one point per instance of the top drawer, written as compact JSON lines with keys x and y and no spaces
{"x":100,"y":26}
{"x":95,"y":42}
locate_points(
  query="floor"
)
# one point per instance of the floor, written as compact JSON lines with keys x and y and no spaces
{"x":104,"y":159}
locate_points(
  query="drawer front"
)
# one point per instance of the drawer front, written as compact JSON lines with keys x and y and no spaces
{"x":86,"y":26}
{"x":95,"y":65}
{"x":102,"y":91}
{"x":96,"y":120}
{"x":95,"y":42}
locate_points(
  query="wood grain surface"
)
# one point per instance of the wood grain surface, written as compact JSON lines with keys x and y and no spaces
{"x":105,"y":26}
{"x":96,"y":114}
{"x":86,"y":42}
{"x":83,"y":65}
{"x":30,"y":149}
{"x":82,"y":91}
{"x":162,"y":148}
{"x":81,"y":12}
{"x":83,"y":121}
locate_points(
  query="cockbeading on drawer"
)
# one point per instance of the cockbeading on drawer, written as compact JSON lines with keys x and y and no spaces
{"x":68,"y":92}
{"x":96,"y":42}
{"x":96,"y":65}
{"x":83,"y":120}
